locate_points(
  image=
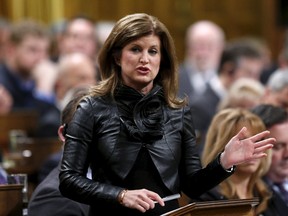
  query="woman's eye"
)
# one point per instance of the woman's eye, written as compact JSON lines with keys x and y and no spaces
{"x":135,"y":49}
{"x":153,"y":52}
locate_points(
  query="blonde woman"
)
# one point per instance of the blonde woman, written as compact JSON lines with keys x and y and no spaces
{"x":247,"y":180}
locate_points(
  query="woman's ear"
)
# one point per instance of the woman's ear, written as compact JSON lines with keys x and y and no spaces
{"x":117,"y":57}
{"x":117,"y":60}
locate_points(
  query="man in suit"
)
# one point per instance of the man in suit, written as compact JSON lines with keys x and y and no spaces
{"x":205,"y":42}
{"x":46,"y":199}
{"x":276,"y":120}
{"x":240,"y":59}
{"x":27,"y":46}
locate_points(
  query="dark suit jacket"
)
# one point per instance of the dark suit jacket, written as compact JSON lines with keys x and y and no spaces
{"x":204,"y":107}
{"x":277,"y":206}
{"x":47,"y":200}
{"x":185,"y":86}
{"x":22,"y":96}
{"x":49,"y":164}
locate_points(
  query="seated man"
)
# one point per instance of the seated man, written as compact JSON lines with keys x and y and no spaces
{"x":46,"y":198}
{"x":275,"y":119}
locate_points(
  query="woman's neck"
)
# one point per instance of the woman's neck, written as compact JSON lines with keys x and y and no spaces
{"x":143,"y":89}
{"x":241,"y":184}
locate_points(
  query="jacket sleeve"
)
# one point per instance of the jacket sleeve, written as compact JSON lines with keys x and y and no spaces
{"x":196,"y":180}
{"x":75,"y":161}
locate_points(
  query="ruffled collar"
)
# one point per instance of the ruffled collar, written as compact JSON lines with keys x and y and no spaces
{"x":141,"y":115}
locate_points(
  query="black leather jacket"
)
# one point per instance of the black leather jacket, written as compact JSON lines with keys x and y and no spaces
{"x":96,"y":138}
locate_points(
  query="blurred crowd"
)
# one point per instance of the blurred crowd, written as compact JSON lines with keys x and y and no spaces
{"x":231,"y":84}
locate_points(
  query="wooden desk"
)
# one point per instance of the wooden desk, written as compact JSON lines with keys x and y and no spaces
{"x":29,"y":158}
{"x":25,"y":120}
{"x":11,"y":203}
{"x":237,"y":207}
{"x":30,"y":154}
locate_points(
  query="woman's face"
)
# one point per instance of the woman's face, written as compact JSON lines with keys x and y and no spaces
{"x":140,"y":63}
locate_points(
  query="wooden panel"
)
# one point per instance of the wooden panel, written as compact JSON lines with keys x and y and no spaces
{"x":235,"y":207}
{"x":29,"y":157}
{"x":11,"y":203}
{"x":30,"y":154}
{"x":4,"y":8}
{"x":25,"y":120}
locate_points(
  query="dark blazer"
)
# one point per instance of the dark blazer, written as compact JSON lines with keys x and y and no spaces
{"x":96,"y":137}
{"x":47,"y":200}
{"x":22,"y":96}
{"x":204,"y":107}
{"x":185,"y":86}
{"x":49,"y":164}
{"x":277,"y":206}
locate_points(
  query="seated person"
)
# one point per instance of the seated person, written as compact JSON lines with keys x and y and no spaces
{"x":52,"y":161}
{"x":276,"y":120}
{"x":46,"y":199}
{"x":247,"y":181}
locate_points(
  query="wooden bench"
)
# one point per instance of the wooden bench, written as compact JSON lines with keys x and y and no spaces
{"x":29,"y":158}
{"x":25,"y":120}
{"x":30,"y":154}
{"x":11,"y":203}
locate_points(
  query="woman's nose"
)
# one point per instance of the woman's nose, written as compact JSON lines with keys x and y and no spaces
{"x":144,"y":59}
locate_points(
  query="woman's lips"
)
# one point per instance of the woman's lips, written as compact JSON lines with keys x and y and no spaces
{"x":143,"y":69}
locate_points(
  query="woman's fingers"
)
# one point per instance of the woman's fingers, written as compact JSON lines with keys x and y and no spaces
{"x":260,"y":136}
{"x":142,"y":199}
{"x":241,"y":149}
{"x":269,"y":141}
{"x":262,"y":149}
{"x":241,"y":134}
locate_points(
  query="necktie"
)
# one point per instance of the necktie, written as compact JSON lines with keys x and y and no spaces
{"x":283,"y":191}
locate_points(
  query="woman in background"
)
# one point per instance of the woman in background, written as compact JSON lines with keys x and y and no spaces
{"x":246,"y":182}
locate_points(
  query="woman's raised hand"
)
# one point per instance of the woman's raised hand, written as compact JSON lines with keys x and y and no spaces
{"x":241,"y":149}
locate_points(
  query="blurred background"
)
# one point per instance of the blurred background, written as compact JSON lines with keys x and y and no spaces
{"x":264,"y":19}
